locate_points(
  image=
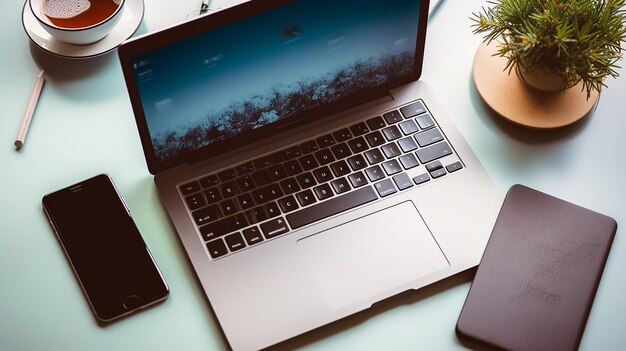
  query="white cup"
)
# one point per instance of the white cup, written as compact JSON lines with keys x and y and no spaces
{"x":80,"y":36}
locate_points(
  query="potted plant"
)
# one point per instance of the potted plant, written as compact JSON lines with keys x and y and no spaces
{"x":557,"y":44}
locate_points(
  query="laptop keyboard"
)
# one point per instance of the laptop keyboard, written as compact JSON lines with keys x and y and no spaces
{"x":273,"y":195}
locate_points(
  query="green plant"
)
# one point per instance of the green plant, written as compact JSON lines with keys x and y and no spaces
{"x":578,"y":39}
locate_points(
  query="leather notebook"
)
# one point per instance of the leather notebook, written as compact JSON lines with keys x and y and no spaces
{"x":539,"y":274}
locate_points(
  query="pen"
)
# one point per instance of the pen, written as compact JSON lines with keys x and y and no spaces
{"x":205,"y":6}
{"x":30,"y":109}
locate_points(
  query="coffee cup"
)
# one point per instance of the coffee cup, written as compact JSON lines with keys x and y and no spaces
{"x":77,"y":21}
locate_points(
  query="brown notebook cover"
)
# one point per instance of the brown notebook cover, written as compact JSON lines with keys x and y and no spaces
{"x":539,"y":274}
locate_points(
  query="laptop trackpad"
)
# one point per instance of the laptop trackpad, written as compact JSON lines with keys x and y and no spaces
{"x":368,"y":256}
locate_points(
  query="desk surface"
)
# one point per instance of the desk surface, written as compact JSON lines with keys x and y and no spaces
{"x":84,"y":126}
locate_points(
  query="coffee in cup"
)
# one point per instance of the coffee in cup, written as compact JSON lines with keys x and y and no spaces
{"x":78,"y":13}
{"x":77,"y":21}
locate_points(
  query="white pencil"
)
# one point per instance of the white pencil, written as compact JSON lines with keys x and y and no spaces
{"x":30,"y":109}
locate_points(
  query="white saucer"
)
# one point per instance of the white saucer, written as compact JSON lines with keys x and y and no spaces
{"x":128,"y":24}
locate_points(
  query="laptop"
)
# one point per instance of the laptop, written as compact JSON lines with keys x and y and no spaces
{"x":307,"y":170}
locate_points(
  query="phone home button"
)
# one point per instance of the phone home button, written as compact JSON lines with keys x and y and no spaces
{"x":132,"y":301}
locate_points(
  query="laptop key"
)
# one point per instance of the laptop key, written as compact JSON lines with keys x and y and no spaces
{"x":331,"y":207}
{"x":408,"y":127}
{"x":306,"y":180}
{"x":322,"y":192}
{"x":359,"y":129}
{"x":292,"y":153}
{"x":274,"y":228}
{"x":292,"y":167}
{"x":223,"y":226}
{"x":358,"y":145}
{"x":340,"y":185}
{"x":392,"y":117}
{"x":434,"y":152}
{"x":325,"y":141}
{"x":277,"y":172}
{"x":375,"y":123}
{"x":357,"y":179}
{"x":209,"y":181}
{"x":341,"y":151}
{"x":324,"y":156}
{"x":413,"y":109}
{"x":236,"y":222}
{"x":407,"y":144}
{"x":385,"y":188}
{"x":190,"y":188}
{"x":261,"y":163}
{"x":252,"y":235}
{"x":206,"y":215}
{"x":392,"y":167}
{"x":271,"y":210}
{"x":433,"y":166}
{"x":244,"y":168}
{"x":228,"y":207}
{"x":308,"y":162}
{"x":374,"y":156}
{"x":342,"y":135}
{"x":402,"y":181}
{"x":392,"y":133}
{"x":408,"y":161}
{"x":229,"y":189}
{"x":235,"y":242}
{"x":217,"y":248}
{"x":323,"y":174}
{"x":288,"y":204}
{"x":340,"y":168}
{"x":425,"y":121}
{"x":212,"y":195}
{"x":309,"y":146}
{"x":245,"y":183}
{"x":261,"y":178}
{"x":195,"y":201}
{"x":226,"y":175}
{"x":256,"y":215}
{"x":375,"y":173}
{"x":454,"y":167}
{"x":289,"y":186}
{"x":391,"y":150}
{"x":278,"y":157}
{"x":268,"y":193}
{"x":422,"y":178}
{"x":428,"y":137}
{"x":375,"y":138}
{"x":245,"y":201}
{"x":438,"y":173}
{"x":357,"y":162}
{"x":306,"y":197}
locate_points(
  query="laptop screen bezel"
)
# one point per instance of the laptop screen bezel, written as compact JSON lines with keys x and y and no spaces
{"x":135,"y":47}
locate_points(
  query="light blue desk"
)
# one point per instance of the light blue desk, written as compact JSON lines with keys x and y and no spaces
{"x":84,"y":126}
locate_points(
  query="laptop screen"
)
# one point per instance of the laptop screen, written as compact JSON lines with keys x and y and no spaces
{"x":241,"y":78}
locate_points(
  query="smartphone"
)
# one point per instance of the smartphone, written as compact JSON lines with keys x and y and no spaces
{"x":104,"y":247}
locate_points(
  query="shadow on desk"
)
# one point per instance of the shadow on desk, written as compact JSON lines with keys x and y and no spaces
{"x":406,"y":298}
{"x":67,"y":69}
{"x":523,"y":134}
{"x":84,"y":79}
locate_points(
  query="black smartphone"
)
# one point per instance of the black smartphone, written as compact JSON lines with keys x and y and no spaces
{"x":104,"y":247}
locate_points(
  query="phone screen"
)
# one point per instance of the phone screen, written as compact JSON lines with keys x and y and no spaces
{"x":105,"y":248}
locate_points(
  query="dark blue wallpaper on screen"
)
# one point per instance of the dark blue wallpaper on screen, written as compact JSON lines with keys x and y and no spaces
{"x":264,"y":68}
